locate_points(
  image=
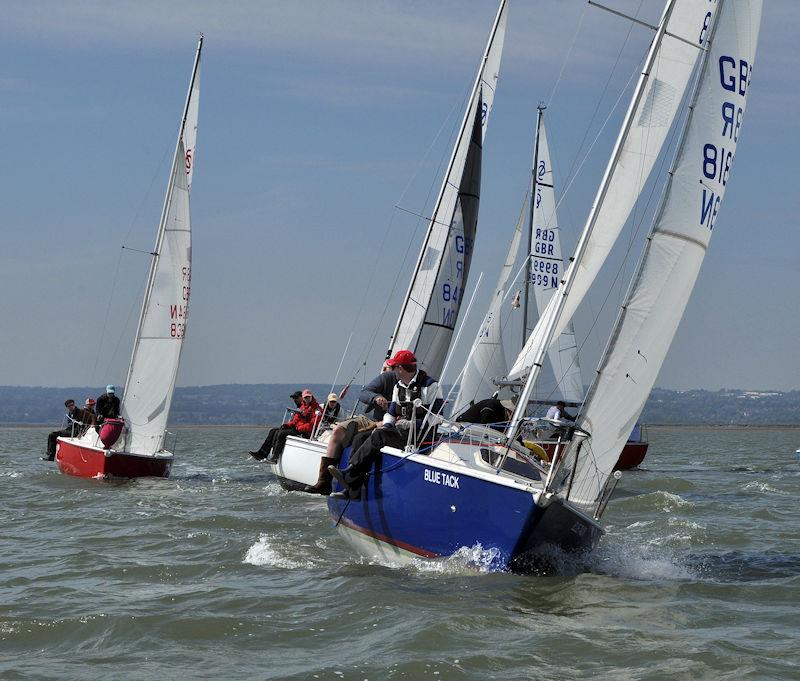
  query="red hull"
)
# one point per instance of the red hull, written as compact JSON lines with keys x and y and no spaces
{"x":632,"y":455}
{"x":92,"y":462}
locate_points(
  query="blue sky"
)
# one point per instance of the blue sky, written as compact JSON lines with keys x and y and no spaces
{"x":317,"y":118}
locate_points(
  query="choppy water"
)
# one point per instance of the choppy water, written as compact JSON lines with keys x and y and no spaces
{"x":217,"y":573}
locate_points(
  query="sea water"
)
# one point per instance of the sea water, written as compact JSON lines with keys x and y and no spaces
{"x":218,"y":573}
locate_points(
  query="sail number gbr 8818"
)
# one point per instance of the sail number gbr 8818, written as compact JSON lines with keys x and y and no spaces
{"x":179,"y":312}
{"x":734,"y":79}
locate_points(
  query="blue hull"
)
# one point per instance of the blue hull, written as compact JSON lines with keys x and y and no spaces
{"x":425,"y":510}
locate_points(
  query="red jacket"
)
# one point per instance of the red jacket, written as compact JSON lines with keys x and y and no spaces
{"x":306,"y":418}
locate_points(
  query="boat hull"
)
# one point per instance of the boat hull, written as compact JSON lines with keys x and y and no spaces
{"x":419,"y":508}
{"x":85,"y":461}
{"x":299,"y":464}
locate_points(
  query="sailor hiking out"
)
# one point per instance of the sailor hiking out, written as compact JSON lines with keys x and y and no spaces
{"x":415,"y":399}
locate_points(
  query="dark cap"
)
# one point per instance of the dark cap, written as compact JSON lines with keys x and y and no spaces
{"x":297,"y":394}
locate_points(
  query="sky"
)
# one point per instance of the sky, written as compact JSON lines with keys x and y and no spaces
{"x":324,"y":125}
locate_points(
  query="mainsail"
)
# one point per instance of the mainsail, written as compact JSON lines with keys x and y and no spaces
{"x":675,"y":248}
{"x":162,"y":323}
{"x":546,"y":267}
{"x":430,"y":310}
{"x":668,"y":68}
{"x":543,"y":270}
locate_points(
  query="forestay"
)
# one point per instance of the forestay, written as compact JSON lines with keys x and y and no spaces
{"x":650,"y":116}
{"x":162,"y":324}
{"x":430,"y":310}
{"x":676,"y":246}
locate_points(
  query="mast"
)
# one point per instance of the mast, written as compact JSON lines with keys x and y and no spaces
{"x":162,"y":221}
{"x":552,"y":317}
{"x":534,"y":184}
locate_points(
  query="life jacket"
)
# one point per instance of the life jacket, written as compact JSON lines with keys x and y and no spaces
{"x":407,"y":395}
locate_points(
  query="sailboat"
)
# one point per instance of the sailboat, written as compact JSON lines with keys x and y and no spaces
{"x":477,"y":489}
{"x":137,"y":448}
{"x":432,"y":304}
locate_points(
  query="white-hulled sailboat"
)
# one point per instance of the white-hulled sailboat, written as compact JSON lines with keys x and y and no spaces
{"x":137,"y":447}
{"x":431,"y":306}
{"x":480,"y":491}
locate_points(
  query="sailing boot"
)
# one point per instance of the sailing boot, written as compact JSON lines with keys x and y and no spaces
{"x":259,"y":454}
{"x":324,"y":480}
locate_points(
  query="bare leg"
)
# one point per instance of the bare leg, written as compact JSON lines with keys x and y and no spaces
{"x":334,"y":449}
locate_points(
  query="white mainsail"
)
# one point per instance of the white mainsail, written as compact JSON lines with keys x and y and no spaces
{"x":676,"y":246}
{"x":547,"y":267}
{"x":430,"y":310}
{"x":162,"y":324}
{"x":668,"y":68}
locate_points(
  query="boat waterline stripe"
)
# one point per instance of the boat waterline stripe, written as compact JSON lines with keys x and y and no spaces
{"x":388,"y":540}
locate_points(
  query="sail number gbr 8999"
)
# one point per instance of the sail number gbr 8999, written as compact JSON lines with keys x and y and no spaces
{"x":179,"y":312}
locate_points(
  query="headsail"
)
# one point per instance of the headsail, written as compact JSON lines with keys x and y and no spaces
{"x":668,"y":68}
{"x":430,"y":310}
{"x":675,"y":248}
{"x":162,"y":324}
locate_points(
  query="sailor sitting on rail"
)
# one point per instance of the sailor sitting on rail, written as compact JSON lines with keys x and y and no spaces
{"x":415,"y":395}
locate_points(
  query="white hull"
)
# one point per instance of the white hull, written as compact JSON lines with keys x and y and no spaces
{"x":300,"y":461}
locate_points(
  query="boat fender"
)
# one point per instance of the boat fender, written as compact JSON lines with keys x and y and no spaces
{"x":110,"y":432}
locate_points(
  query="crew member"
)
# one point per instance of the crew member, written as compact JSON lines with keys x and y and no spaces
{"x":413,"y":384}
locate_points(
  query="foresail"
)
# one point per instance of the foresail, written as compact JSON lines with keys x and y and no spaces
{"x":154,"y":367}
{"x":639,"y":145}
{"x":433,"y":301}
{"x":675,"y":250}
{"x":546,"y":271}
{"x":487,"y":358}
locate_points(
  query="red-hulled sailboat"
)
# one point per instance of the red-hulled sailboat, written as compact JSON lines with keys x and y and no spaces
{"x":135,"y":445}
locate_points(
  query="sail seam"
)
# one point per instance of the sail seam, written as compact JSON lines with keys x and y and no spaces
{"x":681,"y":237}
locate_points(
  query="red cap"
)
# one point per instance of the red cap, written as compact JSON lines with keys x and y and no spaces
{"x":307,"y":393}
{"x":402,"y":357}
{"x":89,"y":402}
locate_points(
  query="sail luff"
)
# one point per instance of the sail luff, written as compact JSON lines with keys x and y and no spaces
{"x":432,"y":255}
{"x":675,"y":248}
{"x":549,"y":319}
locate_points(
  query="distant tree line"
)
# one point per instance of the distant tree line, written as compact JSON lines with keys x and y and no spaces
{"x":264,"y":403}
